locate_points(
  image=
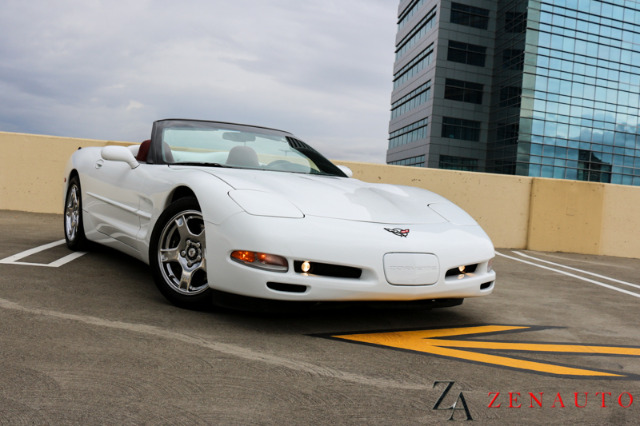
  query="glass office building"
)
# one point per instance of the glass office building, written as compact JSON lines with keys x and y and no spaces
{"x":526,"y":87}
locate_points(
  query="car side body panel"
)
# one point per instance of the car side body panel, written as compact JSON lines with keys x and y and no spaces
{"x":121,"y":205}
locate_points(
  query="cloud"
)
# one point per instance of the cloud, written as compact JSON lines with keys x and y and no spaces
{"x":134,"y":105}
{"x":106,"y":69}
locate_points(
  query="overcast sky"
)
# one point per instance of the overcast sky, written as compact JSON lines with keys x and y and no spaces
{"x":106,"y":69}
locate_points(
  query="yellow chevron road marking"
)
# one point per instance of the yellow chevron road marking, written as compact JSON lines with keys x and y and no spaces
{"x":443,"y":342}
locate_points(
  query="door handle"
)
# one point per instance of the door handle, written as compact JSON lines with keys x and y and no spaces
{"x":99,"y":164}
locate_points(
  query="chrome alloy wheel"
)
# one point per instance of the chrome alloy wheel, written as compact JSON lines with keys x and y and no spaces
{"x":72,"y":213}
{"x":181,"y":253}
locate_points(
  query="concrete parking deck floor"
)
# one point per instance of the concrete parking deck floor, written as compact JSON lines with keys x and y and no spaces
{"x":92,"y":341}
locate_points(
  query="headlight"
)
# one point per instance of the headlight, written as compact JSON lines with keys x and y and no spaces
{"x":260,"y":203}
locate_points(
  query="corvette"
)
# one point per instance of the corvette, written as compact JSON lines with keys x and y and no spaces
{"x":227,"y":209}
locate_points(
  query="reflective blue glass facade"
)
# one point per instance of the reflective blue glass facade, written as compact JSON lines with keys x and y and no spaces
{"x":582,"y":85}
{"x":552,"y":88}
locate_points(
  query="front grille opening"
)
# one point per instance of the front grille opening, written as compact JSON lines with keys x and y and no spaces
{"x":287,"y":288}
{"x":461,"y":270}
{"x":326,"y":270}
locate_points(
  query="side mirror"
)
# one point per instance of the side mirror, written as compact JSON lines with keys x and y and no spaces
{"x":119,"y":153}
{"x":347,"y":171}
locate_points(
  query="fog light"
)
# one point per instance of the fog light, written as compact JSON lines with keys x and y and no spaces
{"x":305,"y":267}
{"x":269,"y":262}
{"x":462,"y":271}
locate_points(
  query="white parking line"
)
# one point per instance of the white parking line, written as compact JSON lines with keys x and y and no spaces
{"x":578,"y":270}
{"x":601,"y":284}
{"x":14,"y":260}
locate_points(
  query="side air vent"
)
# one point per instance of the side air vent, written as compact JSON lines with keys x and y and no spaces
{"x":287,"y":288}
{"x":486,"y":286}
{"x":296,"y":143}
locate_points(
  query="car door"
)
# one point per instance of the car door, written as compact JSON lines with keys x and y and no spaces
{"x":117,"y":189}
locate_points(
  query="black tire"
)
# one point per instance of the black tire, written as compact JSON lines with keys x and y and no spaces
{"x":177,"y":255}
{"x":73,"y":223}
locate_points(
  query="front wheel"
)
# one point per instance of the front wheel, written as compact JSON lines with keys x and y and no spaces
{"x":177,"y":255}
{"x":73,"y":225}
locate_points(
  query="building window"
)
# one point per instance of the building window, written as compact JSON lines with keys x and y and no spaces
{"x":593,"y":169}
{"x":513,"y":59}
{"x":506,"y":167}
{"x":413,"y":161}
{"x":458,"y":128}
{"x":465,"y":53}
{"x":510,"y":96}
{"x":458,"y":163}
{"x":408,"y":134}
{"x":464,"y":91}
{"x":409,"y":12}
{"x":507,"y":134}
{"x":515,"y":22}
{"x":411,"y":100}
{"x":416,"y":34}
{"x":416,"y":65}
{"x":470,"y":16}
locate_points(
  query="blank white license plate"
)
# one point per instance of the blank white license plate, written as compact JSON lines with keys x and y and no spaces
{"x":411,"y":268}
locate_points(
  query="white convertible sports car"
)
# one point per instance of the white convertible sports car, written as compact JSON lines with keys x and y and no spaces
{"x":218,"y":209}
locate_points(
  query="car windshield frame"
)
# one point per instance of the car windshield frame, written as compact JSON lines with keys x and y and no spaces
{"x":230,"y":145}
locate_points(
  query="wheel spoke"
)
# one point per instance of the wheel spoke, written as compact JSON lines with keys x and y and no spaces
{"x":189,"y":272}
{"x":170,"y":255}
{"x":182,"y":224}
{"x":185,"y":279}
{"x":200,"y":266}
{"x":71,"y":202}
{"x":183,"y":230}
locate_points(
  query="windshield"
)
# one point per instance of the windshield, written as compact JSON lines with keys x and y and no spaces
{"x":241,"y":147}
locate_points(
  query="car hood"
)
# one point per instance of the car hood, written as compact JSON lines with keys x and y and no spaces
{"x":338,"y":198}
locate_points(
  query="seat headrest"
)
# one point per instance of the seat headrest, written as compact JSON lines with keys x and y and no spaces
{"x":242,"y":156}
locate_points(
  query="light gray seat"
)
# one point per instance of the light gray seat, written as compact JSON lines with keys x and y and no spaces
{"x":242,"y":156}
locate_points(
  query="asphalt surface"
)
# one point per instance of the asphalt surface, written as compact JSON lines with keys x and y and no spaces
{"x":93,"y":342}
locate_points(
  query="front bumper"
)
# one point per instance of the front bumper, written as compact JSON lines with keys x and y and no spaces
{"x":361,"y":245}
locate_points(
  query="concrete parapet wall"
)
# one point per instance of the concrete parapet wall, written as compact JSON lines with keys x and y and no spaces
{"x":31,"y":169}
{"x":517,"y":212}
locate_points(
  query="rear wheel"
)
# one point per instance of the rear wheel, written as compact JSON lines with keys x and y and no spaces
{"x":177,"y":255}
{"x":73,"y":226}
